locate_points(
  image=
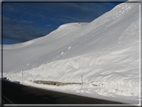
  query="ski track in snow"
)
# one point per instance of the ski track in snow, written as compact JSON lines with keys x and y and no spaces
{"x":104,"y":52}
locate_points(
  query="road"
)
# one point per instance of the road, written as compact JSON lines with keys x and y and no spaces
{"x":21,"y":94}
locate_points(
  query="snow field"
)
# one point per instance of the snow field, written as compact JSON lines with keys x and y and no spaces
{"x":103,"y":53}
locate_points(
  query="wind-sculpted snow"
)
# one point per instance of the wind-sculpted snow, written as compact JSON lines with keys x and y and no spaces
{"x":103,"y":54}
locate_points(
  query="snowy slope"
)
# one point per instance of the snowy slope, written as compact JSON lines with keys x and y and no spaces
{"x":105,"y":52}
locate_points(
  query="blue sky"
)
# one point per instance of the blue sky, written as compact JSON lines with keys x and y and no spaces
{"x":23,"y":21}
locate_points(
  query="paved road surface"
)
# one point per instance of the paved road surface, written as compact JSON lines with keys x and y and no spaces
{"x":20,"y":94}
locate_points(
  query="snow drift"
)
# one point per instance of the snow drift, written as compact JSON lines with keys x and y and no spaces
{"x":105,"y":52}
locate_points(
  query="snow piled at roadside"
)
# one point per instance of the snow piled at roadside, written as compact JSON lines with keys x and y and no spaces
{"x":104,"y":52}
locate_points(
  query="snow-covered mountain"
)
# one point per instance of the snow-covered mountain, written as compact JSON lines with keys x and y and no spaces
{"x":104,"y":54}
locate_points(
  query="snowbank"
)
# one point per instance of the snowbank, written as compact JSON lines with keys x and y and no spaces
{"x":103,"y":54}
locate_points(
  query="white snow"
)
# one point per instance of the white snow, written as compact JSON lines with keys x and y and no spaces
{"x":105,"y":52}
